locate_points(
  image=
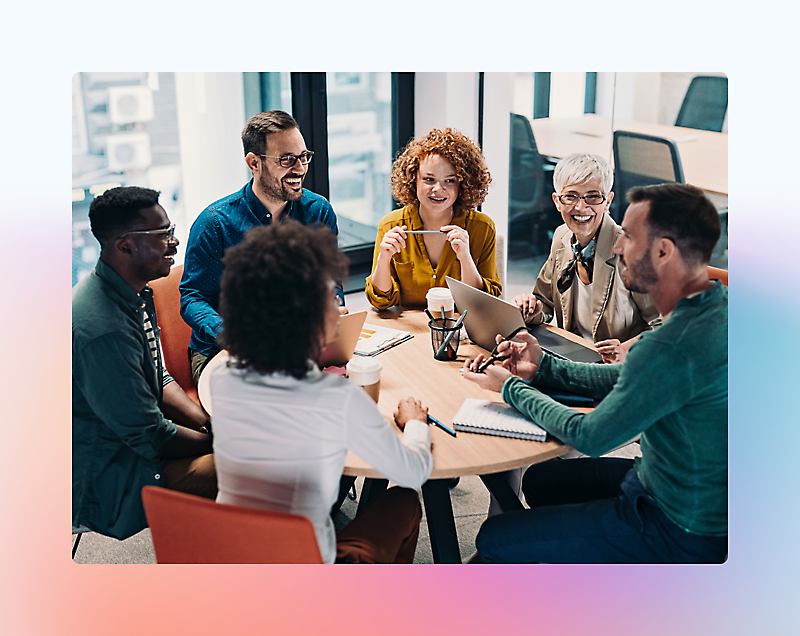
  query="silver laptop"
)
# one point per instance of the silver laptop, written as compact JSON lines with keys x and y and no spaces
{"x":489,"y":315}
{"x":339,"y":352}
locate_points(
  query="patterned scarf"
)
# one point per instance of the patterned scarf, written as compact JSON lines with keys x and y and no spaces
{"x":584,"y":256}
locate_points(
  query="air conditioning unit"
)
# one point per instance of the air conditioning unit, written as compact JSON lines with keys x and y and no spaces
{"x":129,"y":151}
{"x":130,"y":104}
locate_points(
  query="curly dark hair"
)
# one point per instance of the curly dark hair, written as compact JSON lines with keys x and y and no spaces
{"x":117,"y":211}
{"x":273,"y":295}
{"x":682,"y":213}
{"x":466,"y":157}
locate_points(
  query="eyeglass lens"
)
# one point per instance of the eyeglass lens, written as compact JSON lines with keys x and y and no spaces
{"x":287,"y":161}
{"x":590,"y":199}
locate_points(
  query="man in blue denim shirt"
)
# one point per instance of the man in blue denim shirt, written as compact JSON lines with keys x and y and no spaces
{"x":277,"y":156}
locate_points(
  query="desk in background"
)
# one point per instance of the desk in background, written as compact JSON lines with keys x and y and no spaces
{"x":704,"y":154}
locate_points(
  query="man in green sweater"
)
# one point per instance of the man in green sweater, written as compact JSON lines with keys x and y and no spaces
{"x":669,"y":505}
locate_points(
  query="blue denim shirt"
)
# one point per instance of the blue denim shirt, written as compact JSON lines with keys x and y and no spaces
{"x":220,"y":226}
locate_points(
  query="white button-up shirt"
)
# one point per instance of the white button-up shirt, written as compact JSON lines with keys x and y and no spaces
{"x":280,"y":443}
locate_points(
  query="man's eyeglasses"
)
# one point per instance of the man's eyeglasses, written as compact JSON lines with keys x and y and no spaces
{"x":572,"y":199}
{"x":167,"y":233}
{"x":287,"y":161}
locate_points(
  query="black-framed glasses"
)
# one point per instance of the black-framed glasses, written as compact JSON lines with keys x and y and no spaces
{"x":167,"y":233}
{"x":287,"y":161}
{"x":590,"y":199}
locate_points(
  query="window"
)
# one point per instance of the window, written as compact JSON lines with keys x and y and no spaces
{"x":359,"y":152}
{"x":569,"y":101}
{"x":124,"y":132}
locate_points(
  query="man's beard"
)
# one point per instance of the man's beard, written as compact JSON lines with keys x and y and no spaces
{"x":276,"y":190}
{"x":642,"y":276}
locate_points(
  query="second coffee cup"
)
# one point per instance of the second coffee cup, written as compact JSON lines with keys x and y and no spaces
{"x":439,"y":297}
{"x":366,"y":372}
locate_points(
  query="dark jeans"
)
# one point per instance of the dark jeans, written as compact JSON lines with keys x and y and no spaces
{"x":591,"y":510}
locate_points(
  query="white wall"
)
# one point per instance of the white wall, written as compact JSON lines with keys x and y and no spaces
{"x":498,"y":97}
{"x":451,"y":99}
{"x":446,"y":100}
{"x":567,"y":94}
{"x":210,"y":121}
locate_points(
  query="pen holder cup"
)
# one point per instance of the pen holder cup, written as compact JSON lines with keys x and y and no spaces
{"x":442,"y":332}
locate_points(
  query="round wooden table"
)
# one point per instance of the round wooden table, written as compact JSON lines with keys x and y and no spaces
{"x":409,"y":369}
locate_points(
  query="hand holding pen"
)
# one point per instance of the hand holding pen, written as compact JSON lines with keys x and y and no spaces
{"x":493,"y":355}
{"x":520,"y":358}
{"x":393,"y":241}
{"x":412,"y":409}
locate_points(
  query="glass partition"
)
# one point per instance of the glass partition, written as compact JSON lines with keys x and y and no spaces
{"x":582,"y":112}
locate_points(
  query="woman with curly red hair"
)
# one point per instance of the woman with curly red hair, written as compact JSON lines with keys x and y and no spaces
{"x":440,"y":179}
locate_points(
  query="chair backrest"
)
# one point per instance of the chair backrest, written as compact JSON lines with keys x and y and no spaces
{"x":720,"y":274}
{"x":642,"y":160}
{"x":705,"y":104}
{"x":531,"y":214}
{"x":526,"y":178}
{"x":175,"y":333}
{"x":190,"y":529}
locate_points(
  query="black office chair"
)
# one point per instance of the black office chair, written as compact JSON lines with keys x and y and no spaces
{"x":705,"y":104}
{"x":531,"y":217}
{"x":642,"y":160}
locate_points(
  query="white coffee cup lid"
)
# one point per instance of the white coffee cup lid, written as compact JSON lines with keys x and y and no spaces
{"x":364,"y":371}
{"x":439,"y":297}
{"x":438,"y":293}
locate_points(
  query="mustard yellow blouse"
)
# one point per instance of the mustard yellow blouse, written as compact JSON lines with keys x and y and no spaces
{"x":411,"y":269}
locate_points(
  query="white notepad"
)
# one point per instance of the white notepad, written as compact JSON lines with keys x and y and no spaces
{"x":496,"y":418}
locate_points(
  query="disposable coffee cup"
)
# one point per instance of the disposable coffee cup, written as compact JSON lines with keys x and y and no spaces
{"x":439,"y":297}
{"x":366,"y":372}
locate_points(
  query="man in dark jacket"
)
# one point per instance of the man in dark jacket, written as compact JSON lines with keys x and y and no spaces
{"x":132,"y":425}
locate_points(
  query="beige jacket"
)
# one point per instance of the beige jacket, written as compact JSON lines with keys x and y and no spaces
{"x":616,"y":312}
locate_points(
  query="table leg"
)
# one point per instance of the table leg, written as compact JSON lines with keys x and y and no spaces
{"x":371,"y":489}
{"x":441,"y":524}
{"x":498,"y":485}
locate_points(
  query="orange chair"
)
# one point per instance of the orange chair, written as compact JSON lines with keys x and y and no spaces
{"x":190,"y":529}
{"x":175,"y":333}
{"x":720,"y":274}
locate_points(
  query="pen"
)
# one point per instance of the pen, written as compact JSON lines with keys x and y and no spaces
{"x":425,"y":232}
{"x":433,"y":420}
{"x":493,"y":353}
{"x":446,"y":342}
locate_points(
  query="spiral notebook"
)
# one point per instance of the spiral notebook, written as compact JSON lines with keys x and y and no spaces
{"x":496,"y":418}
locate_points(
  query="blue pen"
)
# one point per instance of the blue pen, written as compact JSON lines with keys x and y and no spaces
{"x":433,"y":420}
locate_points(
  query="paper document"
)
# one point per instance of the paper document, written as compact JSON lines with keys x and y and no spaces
{"x":375,"y":339}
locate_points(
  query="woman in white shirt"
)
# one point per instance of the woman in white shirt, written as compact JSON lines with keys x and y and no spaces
{"x":282,"y":428}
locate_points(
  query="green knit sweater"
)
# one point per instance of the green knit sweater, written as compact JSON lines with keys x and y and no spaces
{"x":673,"y":389}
